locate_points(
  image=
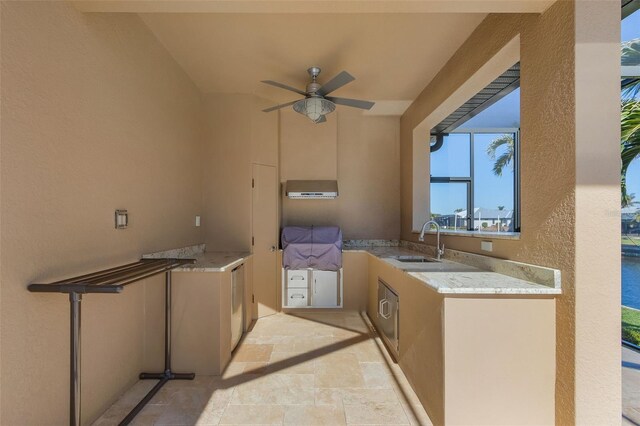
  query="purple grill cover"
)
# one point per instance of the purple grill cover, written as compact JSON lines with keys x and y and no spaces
{"x":318,"y":247}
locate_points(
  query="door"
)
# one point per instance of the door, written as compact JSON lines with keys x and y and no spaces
{"x":237,"y":305}
{"x":264,"y":218}
{"x":325,"y":289}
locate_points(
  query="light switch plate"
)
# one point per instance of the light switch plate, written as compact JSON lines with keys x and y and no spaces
{"x":197,"y":220}
{"x":122,"y":219}
{"x":486,"y":245}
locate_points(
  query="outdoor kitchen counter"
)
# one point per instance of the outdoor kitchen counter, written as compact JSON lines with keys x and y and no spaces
{"x":453,"y":277}
{"x":217,"y":261}
{"x":205,"y":261}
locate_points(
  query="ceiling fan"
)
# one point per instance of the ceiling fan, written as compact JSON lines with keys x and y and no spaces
{"x":316,"y":104}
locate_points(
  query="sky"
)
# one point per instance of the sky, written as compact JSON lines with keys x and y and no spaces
{"x":453,"y":159}
{"x":492,"y":191}
{"x":631,"y":27}
{"x":630,"y":31}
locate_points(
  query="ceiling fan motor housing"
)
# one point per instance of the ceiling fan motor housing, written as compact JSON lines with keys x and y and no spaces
{"x":313,"y":87}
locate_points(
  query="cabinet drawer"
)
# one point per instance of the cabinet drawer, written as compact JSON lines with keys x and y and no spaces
{"x":297,"y":297}
{"x":297,"y":278}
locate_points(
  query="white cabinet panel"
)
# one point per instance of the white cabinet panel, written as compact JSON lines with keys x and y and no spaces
{"x":325,"y":285}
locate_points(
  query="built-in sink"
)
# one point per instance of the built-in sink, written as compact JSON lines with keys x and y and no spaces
{"x":413,"y":259}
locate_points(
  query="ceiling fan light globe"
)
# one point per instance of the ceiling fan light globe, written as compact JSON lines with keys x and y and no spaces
{"x":314,"y":107}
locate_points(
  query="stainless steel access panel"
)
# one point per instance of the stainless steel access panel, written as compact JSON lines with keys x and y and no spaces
{"x":237,"y":305}
{"x":388,"y":316}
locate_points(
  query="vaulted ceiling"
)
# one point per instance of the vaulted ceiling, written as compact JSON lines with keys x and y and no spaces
{"x":392,"y":47}
{"x":392,"y":56}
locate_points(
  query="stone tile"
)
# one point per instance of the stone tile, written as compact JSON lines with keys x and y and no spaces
{"x":253,"y":353}
{"x":314,"y":415}
{"x":177,"y":417}
{"x":276,"y":389}
{"x":255,"y":367}
{"x":253,"y":414}
{"x":352,"y":396}
{"x":112,"y":416}
{"x":340,"y":370}
{"x":313,"y":368}
{"x":376,"y":375}
{"x":290,"y":363}
{"x":149,"y":415}
{"x":218,"y":398}
{"x":379,"y":414}
{"x":310,"y":344}
{"x":209,"y":417}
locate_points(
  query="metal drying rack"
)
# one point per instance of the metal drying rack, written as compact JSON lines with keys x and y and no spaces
{"x":114,"y":280}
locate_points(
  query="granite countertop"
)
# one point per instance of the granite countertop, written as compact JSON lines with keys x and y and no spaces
{"x":205,"y":261}
{"x":216,"y":261}
{"x":449,"y":277}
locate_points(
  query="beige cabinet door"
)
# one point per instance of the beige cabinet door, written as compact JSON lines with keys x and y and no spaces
{"x":265,"y":238}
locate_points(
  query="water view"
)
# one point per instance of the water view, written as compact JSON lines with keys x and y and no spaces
{"x":631,"y":282}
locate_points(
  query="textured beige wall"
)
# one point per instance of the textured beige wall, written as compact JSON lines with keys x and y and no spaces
{"x":499,"y":367}
{"x":237,"y":134}
{"x":363,"y":153}
{"x":95,"y":116}
{"x":569,"y":123}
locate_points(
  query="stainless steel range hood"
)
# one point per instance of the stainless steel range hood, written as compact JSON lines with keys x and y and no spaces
{"x":312,"y":189}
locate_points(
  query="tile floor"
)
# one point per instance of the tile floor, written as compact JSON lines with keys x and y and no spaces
{"x":303,"y":369}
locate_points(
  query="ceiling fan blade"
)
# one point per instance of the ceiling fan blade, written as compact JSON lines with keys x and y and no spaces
{"x":284,"y":86}
{"x":273,"y":108}
{"x":355,"y":103}
{"x":335,"y":83}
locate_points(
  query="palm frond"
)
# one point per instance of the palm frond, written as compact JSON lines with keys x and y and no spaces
{"x":501,"y":162}
{"x":505,"y":158}
{"x":629,"y":143}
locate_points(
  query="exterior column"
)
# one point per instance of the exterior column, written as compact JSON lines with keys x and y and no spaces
{"x":597,"y":212}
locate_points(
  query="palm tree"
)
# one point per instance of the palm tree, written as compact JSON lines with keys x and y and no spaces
{"x":629,"y":117}
{"x":629,"y":200}
{"x":506,"y":157}
{"x":631,"y":57}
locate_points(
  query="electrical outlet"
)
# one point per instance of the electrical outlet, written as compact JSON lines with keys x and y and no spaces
{"x":197,"y":220}
{"x":486,"y":245}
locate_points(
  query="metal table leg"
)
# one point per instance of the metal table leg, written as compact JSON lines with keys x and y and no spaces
{"x":167,"y":375}
{"x":74,"y":390}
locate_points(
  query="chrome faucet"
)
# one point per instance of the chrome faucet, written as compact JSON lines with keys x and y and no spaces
{"x":439,"y":248}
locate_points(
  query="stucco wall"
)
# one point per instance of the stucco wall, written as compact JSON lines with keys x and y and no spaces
{"x":363,"y":153}
{"x":95,"y":116}
{"x":550,"y":156}
{"x":237,"y":135}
